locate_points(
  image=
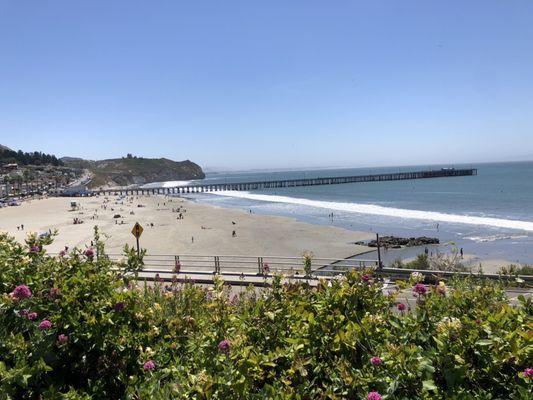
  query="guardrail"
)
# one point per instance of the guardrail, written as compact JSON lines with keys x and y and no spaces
{"x":237,"y":264}
{"x":402,"y":273}
{"x":244,"y":270}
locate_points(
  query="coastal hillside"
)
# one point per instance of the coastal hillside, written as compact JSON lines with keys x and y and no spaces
{"x":132,"y":170}
{"x":76,"y":162}
{"x":129,"y":170}
{"x":8,"y":155}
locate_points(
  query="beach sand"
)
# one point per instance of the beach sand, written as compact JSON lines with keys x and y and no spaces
{"x":211,"y":227}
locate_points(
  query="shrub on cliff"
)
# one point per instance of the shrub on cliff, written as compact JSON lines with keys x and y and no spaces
{"x":73,"y":327}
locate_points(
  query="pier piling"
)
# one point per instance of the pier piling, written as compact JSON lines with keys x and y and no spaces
{"x":239,"y":186}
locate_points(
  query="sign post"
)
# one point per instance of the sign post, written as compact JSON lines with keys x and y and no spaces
{"x":137,"y":232}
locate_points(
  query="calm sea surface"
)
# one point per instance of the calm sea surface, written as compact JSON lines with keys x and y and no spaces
{"x":489,"y":215}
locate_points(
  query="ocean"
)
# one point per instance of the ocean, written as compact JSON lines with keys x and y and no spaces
{"x":489,"y":215}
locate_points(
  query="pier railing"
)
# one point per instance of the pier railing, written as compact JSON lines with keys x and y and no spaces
{"x":201,"y":187}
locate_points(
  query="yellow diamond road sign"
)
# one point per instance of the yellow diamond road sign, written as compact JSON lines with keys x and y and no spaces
{"x":137,"y":230}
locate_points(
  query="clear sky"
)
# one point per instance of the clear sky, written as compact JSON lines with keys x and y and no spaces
{"x":272,"y":83}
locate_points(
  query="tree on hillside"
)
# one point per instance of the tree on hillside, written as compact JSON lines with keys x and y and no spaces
{"x":23,"y":158}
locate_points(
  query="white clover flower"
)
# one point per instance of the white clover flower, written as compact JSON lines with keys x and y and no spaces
{"x":417,"y":276}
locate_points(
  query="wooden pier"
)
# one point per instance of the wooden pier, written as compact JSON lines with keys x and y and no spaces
{"x":246,"y":186}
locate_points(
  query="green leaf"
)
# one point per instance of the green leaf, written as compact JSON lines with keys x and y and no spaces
{"x":429,"y":385}
{"x":25,"y":378}
{"x":392,"y":387}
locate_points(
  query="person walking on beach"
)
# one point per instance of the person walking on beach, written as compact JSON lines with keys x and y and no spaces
{"x":461,"y":251}
{"x":192,"y":239}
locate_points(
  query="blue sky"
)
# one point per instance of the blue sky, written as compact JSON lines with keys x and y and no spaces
{"x":264,"y":84}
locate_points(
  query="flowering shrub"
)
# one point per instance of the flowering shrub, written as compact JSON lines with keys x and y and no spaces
{"x":98,"y":334}
{"x":89,"y":253}
{"x":375,"y":360}
{"x":21,"y":292}
{"x":419,"y":289}
{"x":44,"y":325}
{"x":373,"y":396}
{"x":416,"y":277}
{"x":62,"y":339}
{"x":149,"y":366}
{"x":224,"y":346}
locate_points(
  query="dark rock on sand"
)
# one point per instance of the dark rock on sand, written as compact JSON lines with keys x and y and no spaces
{"x":394,"y":242}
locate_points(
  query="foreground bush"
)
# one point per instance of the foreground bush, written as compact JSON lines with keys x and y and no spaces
{"x":72,"y":328}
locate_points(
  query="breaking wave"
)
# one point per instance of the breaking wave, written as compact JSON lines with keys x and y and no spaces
{"x":167,"y":184}
{"x":493,"y":238}
{"x":387,"y":211}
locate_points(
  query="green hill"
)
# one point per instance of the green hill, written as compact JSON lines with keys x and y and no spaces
{"x":24,"y":158}
{"x":136,"y":171}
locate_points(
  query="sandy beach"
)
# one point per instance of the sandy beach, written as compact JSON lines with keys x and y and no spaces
{"x":204,"y":229}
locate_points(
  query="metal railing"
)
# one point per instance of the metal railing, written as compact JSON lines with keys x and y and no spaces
{"x":253,"y":185}
{"x":238,"y":264}
{"x":255,"y":269}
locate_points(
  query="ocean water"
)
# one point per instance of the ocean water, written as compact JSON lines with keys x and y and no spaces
{"x":489,"y":215}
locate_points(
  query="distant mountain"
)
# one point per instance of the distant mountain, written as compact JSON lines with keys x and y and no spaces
{"x":136,"y":170}
{"x":2,"y":148}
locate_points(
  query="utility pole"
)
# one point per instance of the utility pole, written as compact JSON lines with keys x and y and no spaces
{"x":380,"y":265}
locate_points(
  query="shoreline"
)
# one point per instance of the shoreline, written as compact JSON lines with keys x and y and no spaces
{"x":205,"y":229}
{"x":491,"y":253}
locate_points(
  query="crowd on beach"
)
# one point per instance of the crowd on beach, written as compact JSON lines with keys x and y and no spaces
{"x":120,"y":204}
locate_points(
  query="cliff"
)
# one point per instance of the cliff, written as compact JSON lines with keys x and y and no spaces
{"x":136,"y":171}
